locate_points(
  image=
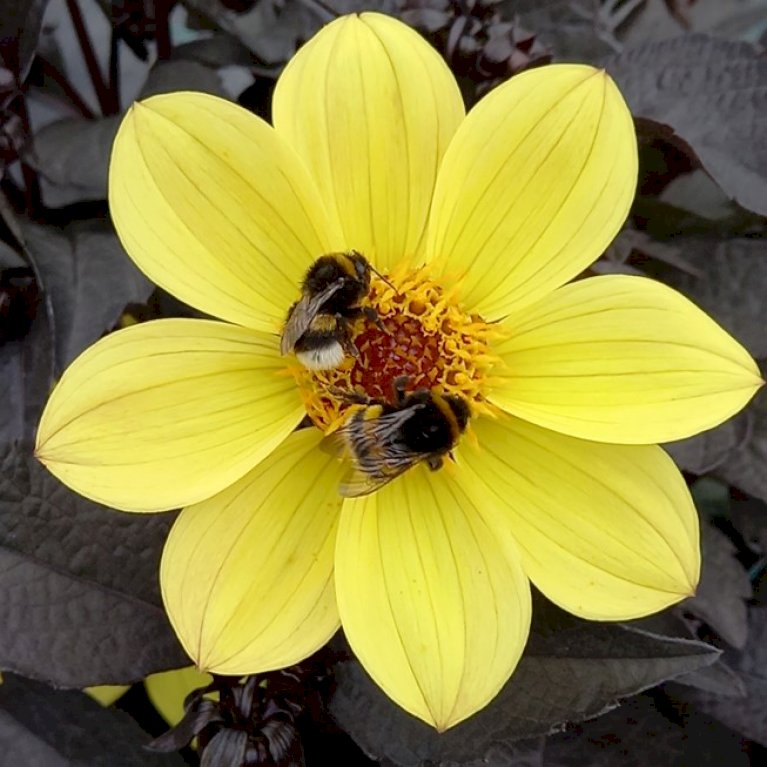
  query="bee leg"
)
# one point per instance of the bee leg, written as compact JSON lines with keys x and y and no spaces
{"x":434,"y":462}
{"x":372,"y":316}
{"x":346,"y":339}
{"x":399,"y":385}
{"x":353,"y":397}
{"x":350,"y":348}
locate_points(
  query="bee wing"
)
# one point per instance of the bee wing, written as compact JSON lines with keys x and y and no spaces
{"x":377,"y":456}
{"x":335,"y":444}
{"x":302,"y":314}
{"x":356,"y":483}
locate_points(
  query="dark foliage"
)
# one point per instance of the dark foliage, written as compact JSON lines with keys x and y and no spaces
{"x":79,"y":582}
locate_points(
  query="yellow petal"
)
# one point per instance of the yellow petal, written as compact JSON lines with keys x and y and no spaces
{"x":215,"y":207}
{"x":621,"y":359}
{"x":247,"y":576}
{"x":536,"y":183}
{"x":607,"y":532}
{"x":371,"y":107}
{"x":107,"y":694}
{"x":167,"y":413}
{"x":168,"y":689}
{"x":433,"y":601}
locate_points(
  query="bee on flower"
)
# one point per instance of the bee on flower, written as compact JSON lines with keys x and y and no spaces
{"x":384,"y":440}
{"x":479,"y":222}
{"x":318,"y":325}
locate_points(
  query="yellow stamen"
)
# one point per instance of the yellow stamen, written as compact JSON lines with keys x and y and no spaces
{"x":426,"y":336}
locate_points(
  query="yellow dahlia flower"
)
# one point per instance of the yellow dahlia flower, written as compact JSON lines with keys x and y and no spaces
{"x":479,"y":220}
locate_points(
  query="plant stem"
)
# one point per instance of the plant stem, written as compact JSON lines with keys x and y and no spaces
{"x":162,"y":29}
{"x":69,"y":91}
{"x":31,"y":182}
{"x":114,"y":68}
{"x":106,"y":102}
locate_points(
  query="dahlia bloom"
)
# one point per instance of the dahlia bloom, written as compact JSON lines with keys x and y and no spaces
{"x":479,"y":221}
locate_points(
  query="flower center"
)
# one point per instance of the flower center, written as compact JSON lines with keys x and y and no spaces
{"x":422,"y":333}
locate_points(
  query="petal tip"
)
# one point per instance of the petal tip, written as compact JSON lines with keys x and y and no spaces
{"x":42,"y":450}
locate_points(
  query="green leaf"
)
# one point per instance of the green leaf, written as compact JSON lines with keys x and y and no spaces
{"x":78,"y":584}
{"x":571,"y":670}
{"x":711,"y":94}
{"x":723,"y":587}
{"x":89,"y":279}
{"x":41,"y":727}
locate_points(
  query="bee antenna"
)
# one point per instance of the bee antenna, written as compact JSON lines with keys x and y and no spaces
{"x":381,"y":277}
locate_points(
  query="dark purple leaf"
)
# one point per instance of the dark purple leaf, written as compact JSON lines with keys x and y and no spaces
{"x":575,"y":30}
{"x":41,"y":727}
{"x":226,"y":749}
{"x":571,"y":670}
{"x":723,"y":587}
{"x":20,"y":25}
{"x":72,"y":155}
{"x":637,"y":734}
{"x":717,"y":678}
{"x":712,"y":94}
{"x":78,"y":584}
{"x":731,"y":290}
{"x":89,"y":279}
{"x":26,"y":350}
{"x":745,"y":715}
{"x":746,"y":466}
{"x":749,"y":515}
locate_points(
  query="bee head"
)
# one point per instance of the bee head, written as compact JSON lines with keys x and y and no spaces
{"x":360,"y":266}
{"x":460,"y":410}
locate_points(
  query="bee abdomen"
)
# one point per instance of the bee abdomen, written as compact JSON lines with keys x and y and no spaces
{"x":324,"y":354}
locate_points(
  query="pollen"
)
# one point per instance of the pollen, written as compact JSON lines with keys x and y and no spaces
{"x":422,"y":333}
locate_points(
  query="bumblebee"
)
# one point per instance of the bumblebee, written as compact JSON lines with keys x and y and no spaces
{"x":384,"y":440}
{"x":318,"y":325}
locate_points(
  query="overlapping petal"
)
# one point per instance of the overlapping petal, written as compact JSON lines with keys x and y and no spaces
{"x":216,"y":208}
{"x":371,"y":107}
{"x":247,"y":576}
{"x":167,"y":413}
{"x":621,"y":359}
{"x":107,"y":694}
{"x":433,"y":600}
{"x":534,"y":186}
{"x":167,"y":690}
{"x":608,"y":532}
